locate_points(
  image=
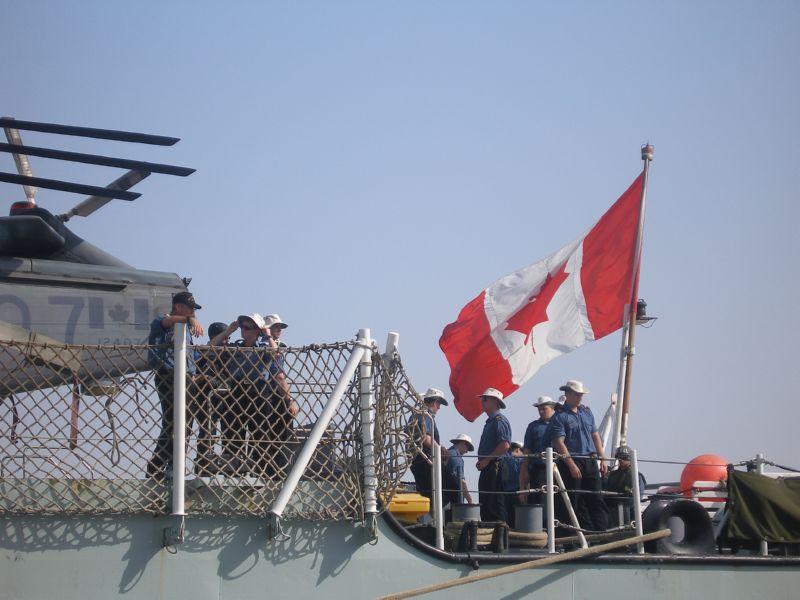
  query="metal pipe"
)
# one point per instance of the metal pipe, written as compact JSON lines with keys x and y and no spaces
{"x":551,"y":512}
{"x":637,"y":499}
{"x":438,"y":513}
{"x":178,"y":418}
{"x":763,"y":546}
{"x":608,"y":422}
{"x":571,"y":511}
{"x":368,"y":429}
{"x":391,"y":345}
{"x":623,"y":366}
{"x":302,"y":460}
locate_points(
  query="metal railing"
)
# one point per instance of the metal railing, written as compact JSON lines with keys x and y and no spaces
{"x":89,"y":430}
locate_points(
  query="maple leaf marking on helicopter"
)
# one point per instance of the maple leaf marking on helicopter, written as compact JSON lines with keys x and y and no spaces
{"x":119,"y":314}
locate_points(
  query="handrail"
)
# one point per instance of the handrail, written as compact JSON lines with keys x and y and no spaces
{"x":368,"y":431}
{"x":279,"y":505}
{"x":179,"y":420}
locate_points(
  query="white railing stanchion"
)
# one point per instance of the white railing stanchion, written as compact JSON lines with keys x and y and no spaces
{"x":571,"y":511}
{"x":551,"y":511}
{"x":368,"y":429}
{"x":637,"y":499}
{"x":304,"y":457}
{"x":179,"y":419}
{"x":438,"y":513}
{"x":763,"y":546}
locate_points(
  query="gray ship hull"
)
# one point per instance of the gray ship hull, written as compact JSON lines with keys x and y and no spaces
{"x":97,"y":557}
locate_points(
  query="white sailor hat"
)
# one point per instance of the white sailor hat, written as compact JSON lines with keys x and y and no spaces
{"x":274,"y":319}
{"x":463,"y":437}
{"x":254,"y":317}
{"x":434,"y":394}
{"x":574,"y":385}
{"x":545,"y":401}
{"x":494,"y":393}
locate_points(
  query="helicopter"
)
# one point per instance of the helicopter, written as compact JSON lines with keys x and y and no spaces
{"x":58,"y":290}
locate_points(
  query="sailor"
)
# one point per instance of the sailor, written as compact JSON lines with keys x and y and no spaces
{"x":276,"y":325}
{"x":532,"y":471}
{"x":215,"y":329}
{"x":620,"y":480}
{"x":282,"y":405}
{"x":204,"y":410}
{"x":511,"y":468}
{"x":575,"y":438}
{"x":241,"y":408}
{"x":250,"y":408}
{"x":423,"y":429}
{"x":161,"y":358}
{"x":495,"y":442}
{"x":453,"y":481}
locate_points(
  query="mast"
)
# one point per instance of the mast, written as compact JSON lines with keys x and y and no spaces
{"x":647,"y":156}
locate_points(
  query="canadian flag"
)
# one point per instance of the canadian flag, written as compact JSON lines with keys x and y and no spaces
{"x":527,"y":318}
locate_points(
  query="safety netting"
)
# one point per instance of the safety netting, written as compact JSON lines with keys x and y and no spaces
{"x":89,"y":429}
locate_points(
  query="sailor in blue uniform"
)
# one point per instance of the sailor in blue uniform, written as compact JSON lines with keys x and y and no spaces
{"x":242,"y":409}
{"x":512,"y":462}
{"x":423,"y":429}
{"x":160,"y":357}
{"x":575,"y":438}
{"x":532,"y":470}
{"x":495,"y":442}
{"x":453,"y":481}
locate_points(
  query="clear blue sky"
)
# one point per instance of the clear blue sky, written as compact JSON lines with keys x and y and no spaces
{"x":377,"y":164}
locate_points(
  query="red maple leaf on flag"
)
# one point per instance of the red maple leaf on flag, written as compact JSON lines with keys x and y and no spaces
{"x":535,"y":311}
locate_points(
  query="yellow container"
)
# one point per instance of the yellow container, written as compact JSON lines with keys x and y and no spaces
{"x":409,"y":506}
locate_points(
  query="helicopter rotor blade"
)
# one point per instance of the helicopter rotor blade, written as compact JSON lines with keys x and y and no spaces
{"x":21,"y":160}
{"x":104,"y":134}
{"x":106,"y":161}
{"x":67,"y":186}
{"x":91,"y":204}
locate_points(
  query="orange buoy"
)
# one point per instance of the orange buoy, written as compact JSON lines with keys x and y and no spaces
{"x":706,"y":467}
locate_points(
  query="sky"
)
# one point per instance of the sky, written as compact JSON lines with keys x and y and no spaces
{"x":378,"y":164}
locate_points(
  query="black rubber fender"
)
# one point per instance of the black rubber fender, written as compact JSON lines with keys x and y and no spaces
{"x":698,"y":536}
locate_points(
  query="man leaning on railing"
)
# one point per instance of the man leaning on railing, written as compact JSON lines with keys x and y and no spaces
{"x":161,"y":358}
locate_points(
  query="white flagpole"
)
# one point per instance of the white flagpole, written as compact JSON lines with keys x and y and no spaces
{"x":623,"y":363}
{"x":647,"y":156}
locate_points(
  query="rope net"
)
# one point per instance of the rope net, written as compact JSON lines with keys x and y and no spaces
{"x":88,"y":430}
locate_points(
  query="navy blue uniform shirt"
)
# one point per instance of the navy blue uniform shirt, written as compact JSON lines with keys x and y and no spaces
{"x":535,"y":437}
{"x":252,"y":366}
{"x":511,"y":468}
{"x":163,"y":358}
{"x":455,"y":464}
{"x":495,"y":430}
{"x":424,"y":424}
{"x":576,"y":429}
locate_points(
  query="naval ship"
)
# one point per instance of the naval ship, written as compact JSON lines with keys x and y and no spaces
{"x":259,"y":502}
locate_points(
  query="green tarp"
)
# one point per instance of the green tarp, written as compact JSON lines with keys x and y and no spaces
{"x":763,"y":508}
